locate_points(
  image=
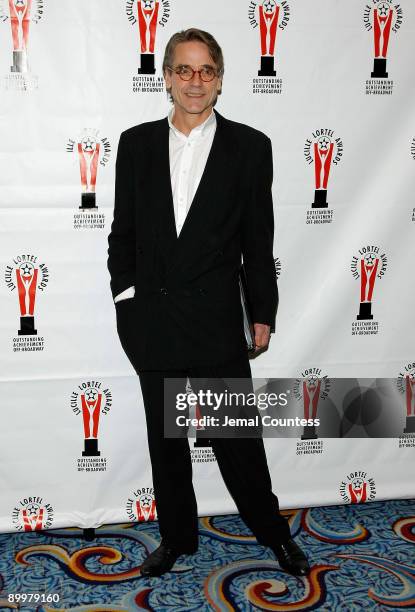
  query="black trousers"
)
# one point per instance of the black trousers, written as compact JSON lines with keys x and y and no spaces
{"x":242,"y":463}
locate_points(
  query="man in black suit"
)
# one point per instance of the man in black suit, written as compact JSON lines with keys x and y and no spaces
{"x":193,"y":196}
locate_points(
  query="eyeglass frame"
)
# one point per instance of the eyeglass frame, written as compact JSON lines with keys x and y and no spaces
{"x":175,"y":70}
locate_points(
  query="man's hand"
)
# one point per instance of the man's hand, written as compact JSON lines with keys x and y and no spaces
{"x":262,"y":333}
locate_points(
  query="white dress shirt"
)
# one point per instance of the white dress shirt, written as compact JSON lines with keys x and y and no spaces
{"x":188,"y":156}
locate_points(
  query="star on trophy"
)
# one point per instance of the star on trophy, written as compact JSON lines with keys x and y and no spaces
{"x":410,"y":404}
{"x":268,"y":20}
{"x":323,"y":153}
{"x":88,"y":152}
{"x":382,"y":22}
{"x":91,"y":405}
{"x":147,"y":23}
{"x":311,"y":394}
{"x":20,"y":21}
{"x":26,"y":276}
{"x":368,"y":268}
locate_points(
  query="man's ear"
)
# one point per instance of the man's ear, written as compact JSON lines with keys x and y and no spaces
{"x":167,"y":79}
{"x":219,"y":86}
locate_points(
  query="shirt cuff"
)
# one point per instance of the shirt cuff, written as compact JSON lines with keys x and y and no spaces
{"x":124,"y":295}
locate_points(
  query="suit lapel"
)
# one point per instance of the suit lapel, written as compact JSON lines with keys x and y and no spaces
{"x":164,"y":221}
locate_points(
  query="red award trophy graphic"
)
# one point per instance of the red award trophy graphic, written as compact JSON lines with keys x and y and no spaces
{"x":200,"y":442}
{"x":146,"y":508}
{"x":268,"y":21}
{"x":368,"y":269}
{"x":91,"y":405}
{"x":382,"y":23}
{"x":323,"y":155}
{"x":26,"y":277}
{"x":323,"y":150}
{"x":32,"y":517}
{"x":311,"y":394}
{"x":195,"y":413}
{"x":357,"y":491}
{"x":20,"y":21}
{"x":147,"y":23}
{"x":410,"y":403}
{"x":88,"y":152}
{"x":32,"y":514}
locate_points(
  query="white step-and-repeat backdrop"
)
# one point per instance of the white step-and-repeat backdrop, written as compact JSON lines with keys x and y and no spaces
{"x":332,"y":83}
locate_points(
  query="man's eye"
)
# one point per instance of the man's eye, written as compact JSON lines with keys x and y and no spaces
{"x":208,"y":71}
{"x":184,"y":70}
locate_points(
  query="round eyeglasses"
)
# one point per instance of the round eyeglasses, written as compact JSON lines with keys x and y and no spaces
{"x":186,"y":73}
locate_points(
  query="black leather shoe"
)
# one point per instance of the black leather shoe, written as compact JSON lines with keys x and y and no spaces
{"x":162,"y":560}
{"x":291,"y":558}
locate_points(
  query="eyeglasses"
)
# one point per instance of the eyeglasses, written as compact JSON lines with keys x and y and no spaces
{"x":186,"y":73}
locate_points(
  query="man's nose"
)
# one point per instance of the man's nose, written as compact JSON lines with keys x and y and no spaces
{"x":196,"y":79}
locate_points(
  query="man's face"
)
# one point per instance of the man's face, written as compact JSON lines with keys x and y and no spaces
{"x":193,"y":96}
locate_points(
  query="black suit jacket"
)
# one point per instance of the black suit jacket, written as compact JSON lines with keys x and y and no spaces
{"x":187,"y":309}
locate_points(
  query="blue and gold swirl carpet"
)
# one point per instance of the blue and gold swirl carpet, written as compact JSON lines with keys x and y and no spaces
{"x":362,"y":556}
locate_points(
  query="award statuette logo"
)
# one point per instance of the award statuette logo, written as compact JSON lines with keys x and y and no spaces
{"x":90,"y":400}
{"x":147,"y":23}
{"x":202,"y":447}
{"x":406,"y":385}
{"x":91,"y":152}
{"x":367,"y":266}
{"x":148,"y":15}
{"x":195,"y":413}
{"x":20,"y":13}
{"x":357,"y":488}
{"x":324,"y":150}
{"x":29,"y":278}
{"x":270,"y":17}
{"x":311,"y":388}
{"x":381,"y":17}
{"x":141,"y":505}
{"x":32,"y":514}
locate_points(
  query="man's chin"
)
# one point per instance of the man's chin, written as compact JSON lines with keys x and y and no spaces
{"x":197,"y":112}
{"x":195,"y":109}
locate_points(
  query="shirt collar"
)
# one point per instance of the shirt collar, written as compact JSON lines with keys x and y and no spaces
{"x":200,"y":130}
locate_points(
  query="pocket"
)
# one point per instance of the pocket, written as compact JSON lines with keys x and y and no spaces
{"x":124,"y":310}
{"x":127,"y":324}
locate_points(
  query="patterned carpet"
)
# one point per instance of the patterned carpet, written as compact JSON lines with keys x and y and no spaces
{"x":362,"y":556}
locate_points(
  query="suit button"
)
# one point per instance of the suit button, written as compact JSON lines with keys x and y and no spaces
{"x":163,"y":291}
{"x":140,"y":251}
{"x":202,"y":292}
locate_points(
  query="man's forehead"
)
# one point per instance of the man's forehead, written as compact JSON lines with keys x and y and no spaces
{"x":193,"y":53}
